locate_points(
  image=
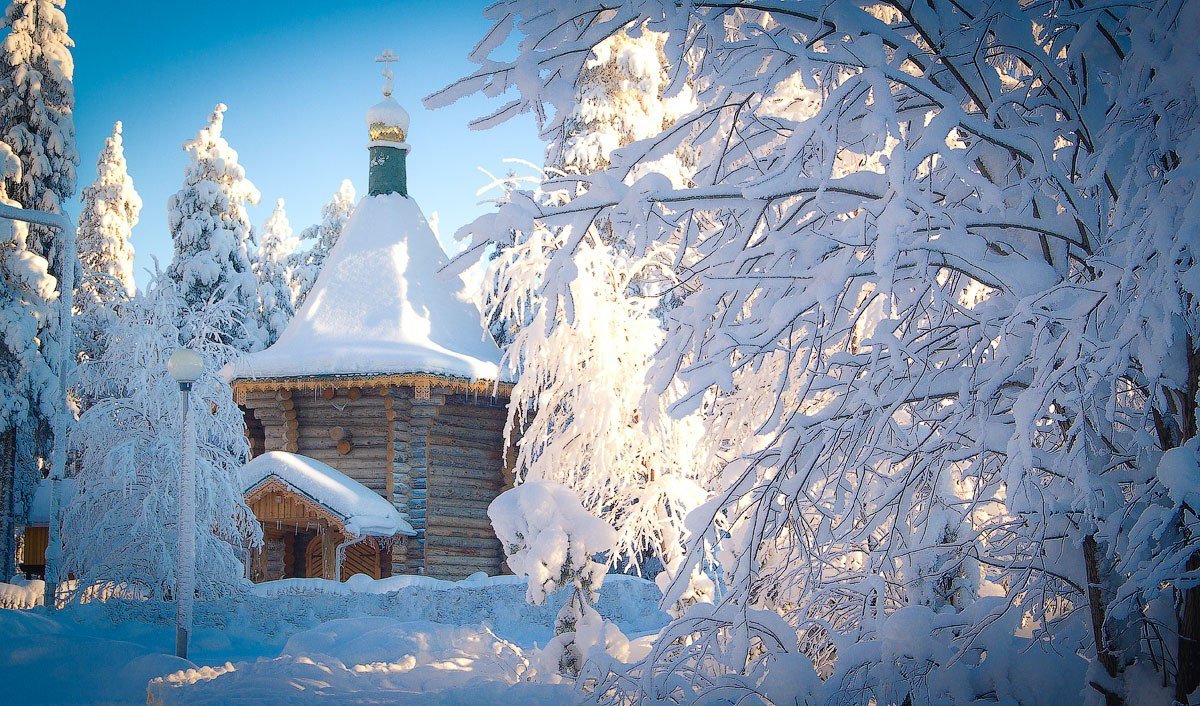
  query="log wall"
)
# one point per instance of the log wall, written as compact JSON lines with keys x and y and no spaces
{"x":439,"y":460}
{"x":466,"y":445}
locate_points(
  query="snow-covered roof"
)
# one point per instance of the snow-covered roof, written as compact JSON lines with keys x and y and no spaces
{"x":379,"y":307}
{"x":39,"y":509}
{"x":362,"y":510}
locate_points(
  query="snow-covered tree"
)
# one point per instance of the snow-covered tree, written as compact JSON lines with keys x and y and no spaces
{"x":36,"y":122}
{"x":28,"y":384}
{"x":110,"y":211}
{"x":933,"y":304}
{"x":551,"y":542}
{"x":212,"y":235}
{"x":37,"y":103}
{"x":121,"y":525}
{"x":306,"y":264}
{"x":583,"y":355}
{"x":273,"y":267}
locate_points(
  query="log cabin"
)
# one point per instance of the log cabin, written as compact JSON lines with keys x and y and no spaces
{"x":385,"y":382}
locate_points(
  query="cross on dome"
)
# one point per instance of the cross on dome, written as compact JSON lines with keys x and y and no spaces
{"x":387,"y":58}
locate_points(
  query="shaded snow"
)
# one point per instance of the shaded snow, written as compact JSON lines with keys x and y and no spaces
{"x":293,"y":642}
{"x":363,"y":510}
{"x":39,"y":509}
{"x":380,"y":307}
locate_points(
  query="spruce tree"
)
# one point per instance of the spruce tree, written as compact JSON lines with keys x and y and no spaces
{"x":212,"y":235}
{"x":37,"y":111}
{"x":307,"y":264}
{"x":28,"y":384}
{"x":37,"y":101}
{"x":110,"y":211}
{"x":273,"y":269}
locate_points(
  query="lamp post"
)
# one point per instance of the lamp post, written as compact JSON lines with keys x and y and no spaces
{"x":185,"y":367}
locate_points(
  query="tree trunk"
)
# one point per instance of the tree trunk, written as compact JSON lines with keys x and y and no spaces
{"x":1188,"y":676}
{"x":8,"y":491}
{"x":1100,"y":634}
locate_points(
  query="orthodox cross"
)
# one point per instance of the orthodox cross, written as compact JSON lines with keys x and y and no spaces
{"x":387,"y":58}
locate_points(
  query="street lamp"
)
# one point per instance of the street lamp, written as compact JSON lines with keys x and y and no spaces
{"x":185,"y":367}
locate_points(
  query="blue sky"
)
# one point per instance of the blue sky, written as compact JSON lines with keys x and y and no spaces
{"x":297,"y":76}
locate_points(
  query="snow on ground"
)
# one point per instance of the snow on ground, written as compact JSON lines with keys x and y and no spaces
{"x":407,"y":639}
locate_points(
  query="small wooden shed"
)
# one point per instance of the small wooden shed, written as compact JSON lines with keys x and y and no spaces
{"x":318,"y":522}
{"x":387,"y":375}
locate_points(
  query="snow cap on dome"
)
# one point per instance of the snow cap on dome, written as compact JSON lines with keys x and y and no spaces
{"x":387,"y":121}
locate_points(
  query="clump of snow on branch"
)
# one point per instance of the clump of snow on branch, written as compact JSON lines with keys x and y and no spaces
{"x":551,"y":541}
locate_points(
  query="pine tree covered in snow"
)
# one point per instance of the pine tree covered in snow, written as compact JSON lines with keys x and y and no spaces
{"x":36,"y":122}
{"x":27,"y":381}
{"x":212,"y":235}
{"x":935,"y":304}
{"x":120,"y":527}
{"x":306,"y":265}
{"x":37,"y":108}
{"x":272,"y":266}
{"x":110,"y":211}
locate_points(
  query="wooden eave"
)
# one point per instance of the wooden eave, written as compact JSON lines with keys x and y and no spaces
{"x":319,"y":512}
{"x":455,"y":385}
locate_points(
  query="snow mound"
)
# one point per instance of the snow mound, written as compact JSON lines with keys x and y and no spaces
{"x":370,"y":660}
{"x":379,"y":307}
{"x":362,"y":510}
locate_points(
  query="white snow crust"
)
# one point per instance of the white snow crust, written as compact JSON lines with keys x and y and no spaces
{"x":379,"y":307}
{"x":364,"y":511}
{"x":388,"y":112}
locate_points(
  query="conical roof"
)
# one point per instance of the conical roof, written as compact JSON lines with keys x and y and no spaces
{"x":379,"y":307}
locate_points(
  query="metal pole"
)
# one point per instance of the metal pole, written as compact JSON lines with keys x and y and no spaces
{"x":58,"y":466}
{"x":185,"y":571}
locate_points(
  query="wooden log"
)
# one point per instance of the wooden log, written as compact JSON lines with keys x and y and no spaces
{"x":389,"y":402}
{"x":287,"y":404}
{"x":450,"y":529}
{"x":344,"y":447}
{"x":436,"y":521}
{"x":349,"y":431}
{"x":456,"y":508}
{"x":328,"y":393}
{"x":447,"y":473}
{"x":436,"y":560}
{"x":479,"y":542}
{"x":338,"y":433}
{"x":354,"y":393}
{"x":466,"y":492}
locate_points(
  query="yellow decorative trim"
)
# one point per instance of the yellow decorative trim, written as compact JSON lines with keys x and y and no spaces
{"x":383,"y":132}
{"x":421,"y":390}
{"x":417,"y":381}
